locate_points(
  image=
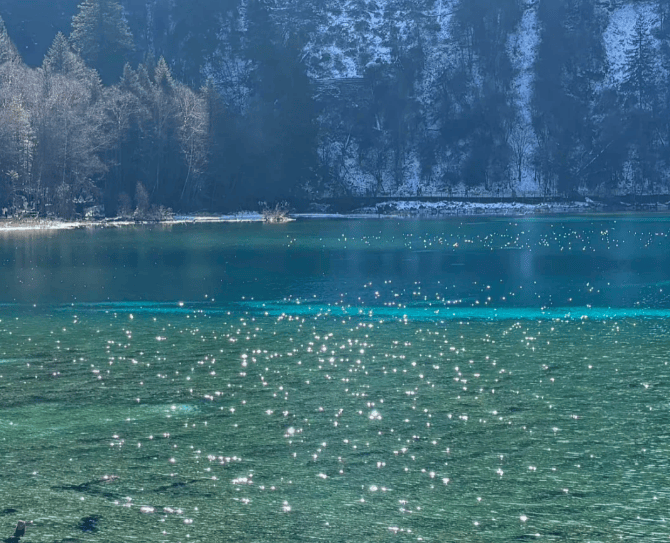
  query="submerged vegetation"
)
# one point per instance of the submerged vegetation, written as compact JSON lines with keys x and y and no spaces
{"x":483,"y":380}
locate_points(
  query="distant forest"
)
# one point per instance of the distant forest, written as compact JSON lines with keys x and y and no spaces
{"x":145,"y":105}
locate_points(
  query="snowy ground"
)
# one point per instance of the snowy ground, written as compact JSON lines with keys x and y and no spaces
{"x":391,"y":209}
{"x":39,"y":225}
{"x":36,"y":225}
{"x":242,"y":216}
{"x":522,"y":49}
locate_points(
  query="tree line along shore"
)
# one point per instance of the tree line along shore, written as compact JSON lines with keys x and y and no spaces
{"x":104,"y":125}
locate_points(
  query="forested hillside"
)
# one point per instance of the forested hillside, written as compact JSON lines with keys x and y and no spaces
{"x":217,"y":104}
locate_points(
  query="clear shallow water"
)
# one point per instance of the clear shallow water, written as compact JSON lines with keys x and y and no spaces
{"x":338,"y":381}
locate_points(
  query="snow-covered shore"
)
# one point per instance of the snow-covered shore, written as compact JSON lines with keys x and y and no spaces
{"x":7,"y":225}
{"x":390,"y":209}
{"x":29,"y":225}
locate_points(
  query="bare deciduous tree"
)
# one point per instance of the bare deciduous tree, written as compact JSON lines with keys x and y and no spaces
{"x":193,"y":133}
{"x":520,"y":141}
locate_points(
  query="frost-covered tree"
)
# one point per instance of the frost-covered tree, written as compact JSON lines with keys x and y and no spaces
{"x":17,"y":144}
{"x":17,"y":141}
{"x":8,"y":52}
{"x":102,"y":37}
{"x":61,"y":59}
{"x":193,"y":136}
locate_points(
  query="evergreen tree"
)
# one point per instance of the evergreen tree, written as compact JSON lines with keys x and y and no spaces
{"x":571,"y":62}
{"x":643,"y":122}
{"x":663,"y":13}
{"x":130,"y":81}
{"x":102,"y":37}
{"x":639,"y":75}
{"x":281,"y":118}
{"x":163,"y":76}
{"x":122,"y":123}
{"x":162,"y":108}
{"x":8,"y":52}
{"x":61,"y":59}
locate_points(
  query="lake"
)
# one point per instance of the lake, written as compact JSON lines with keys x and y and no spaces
{"x":470,"y":380}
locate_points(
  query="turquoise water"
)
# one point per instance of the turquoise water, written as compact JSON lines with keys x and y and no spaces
{"x":483,"y":380}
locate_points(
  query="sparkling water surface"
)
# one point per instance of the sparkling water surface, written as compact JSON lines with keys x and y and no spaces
{"x":459,"y":380}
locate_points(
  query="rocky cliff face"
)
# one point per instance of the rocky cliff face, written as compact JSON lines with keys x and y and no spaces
{"x":435,"y":96}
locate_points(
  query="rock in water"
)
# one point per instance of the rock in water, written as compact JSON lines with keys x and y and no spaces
{"x":20,"y":529}
{"x":18,"y":533}
{"x":89,"y":524}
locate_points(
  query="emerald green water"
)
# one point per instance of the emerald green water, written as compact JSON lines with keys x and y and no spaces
{"x":482,"y":380}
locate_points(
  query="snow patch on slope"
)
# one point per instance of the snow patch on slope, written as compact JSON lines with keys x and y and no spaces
{"x":522,"y":49}
{"x":353,"y":37}
{"x":523,"y":46}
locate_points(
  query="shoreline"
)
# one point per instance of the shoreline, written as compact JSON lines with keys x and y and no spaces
{"x":32,"y":225}
{"x":386,"y":210}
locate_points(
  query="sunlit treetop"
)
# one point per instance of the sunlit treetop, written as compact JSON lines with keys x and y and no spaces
{"x":8,"y":52}
{"x":102,"y":37}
